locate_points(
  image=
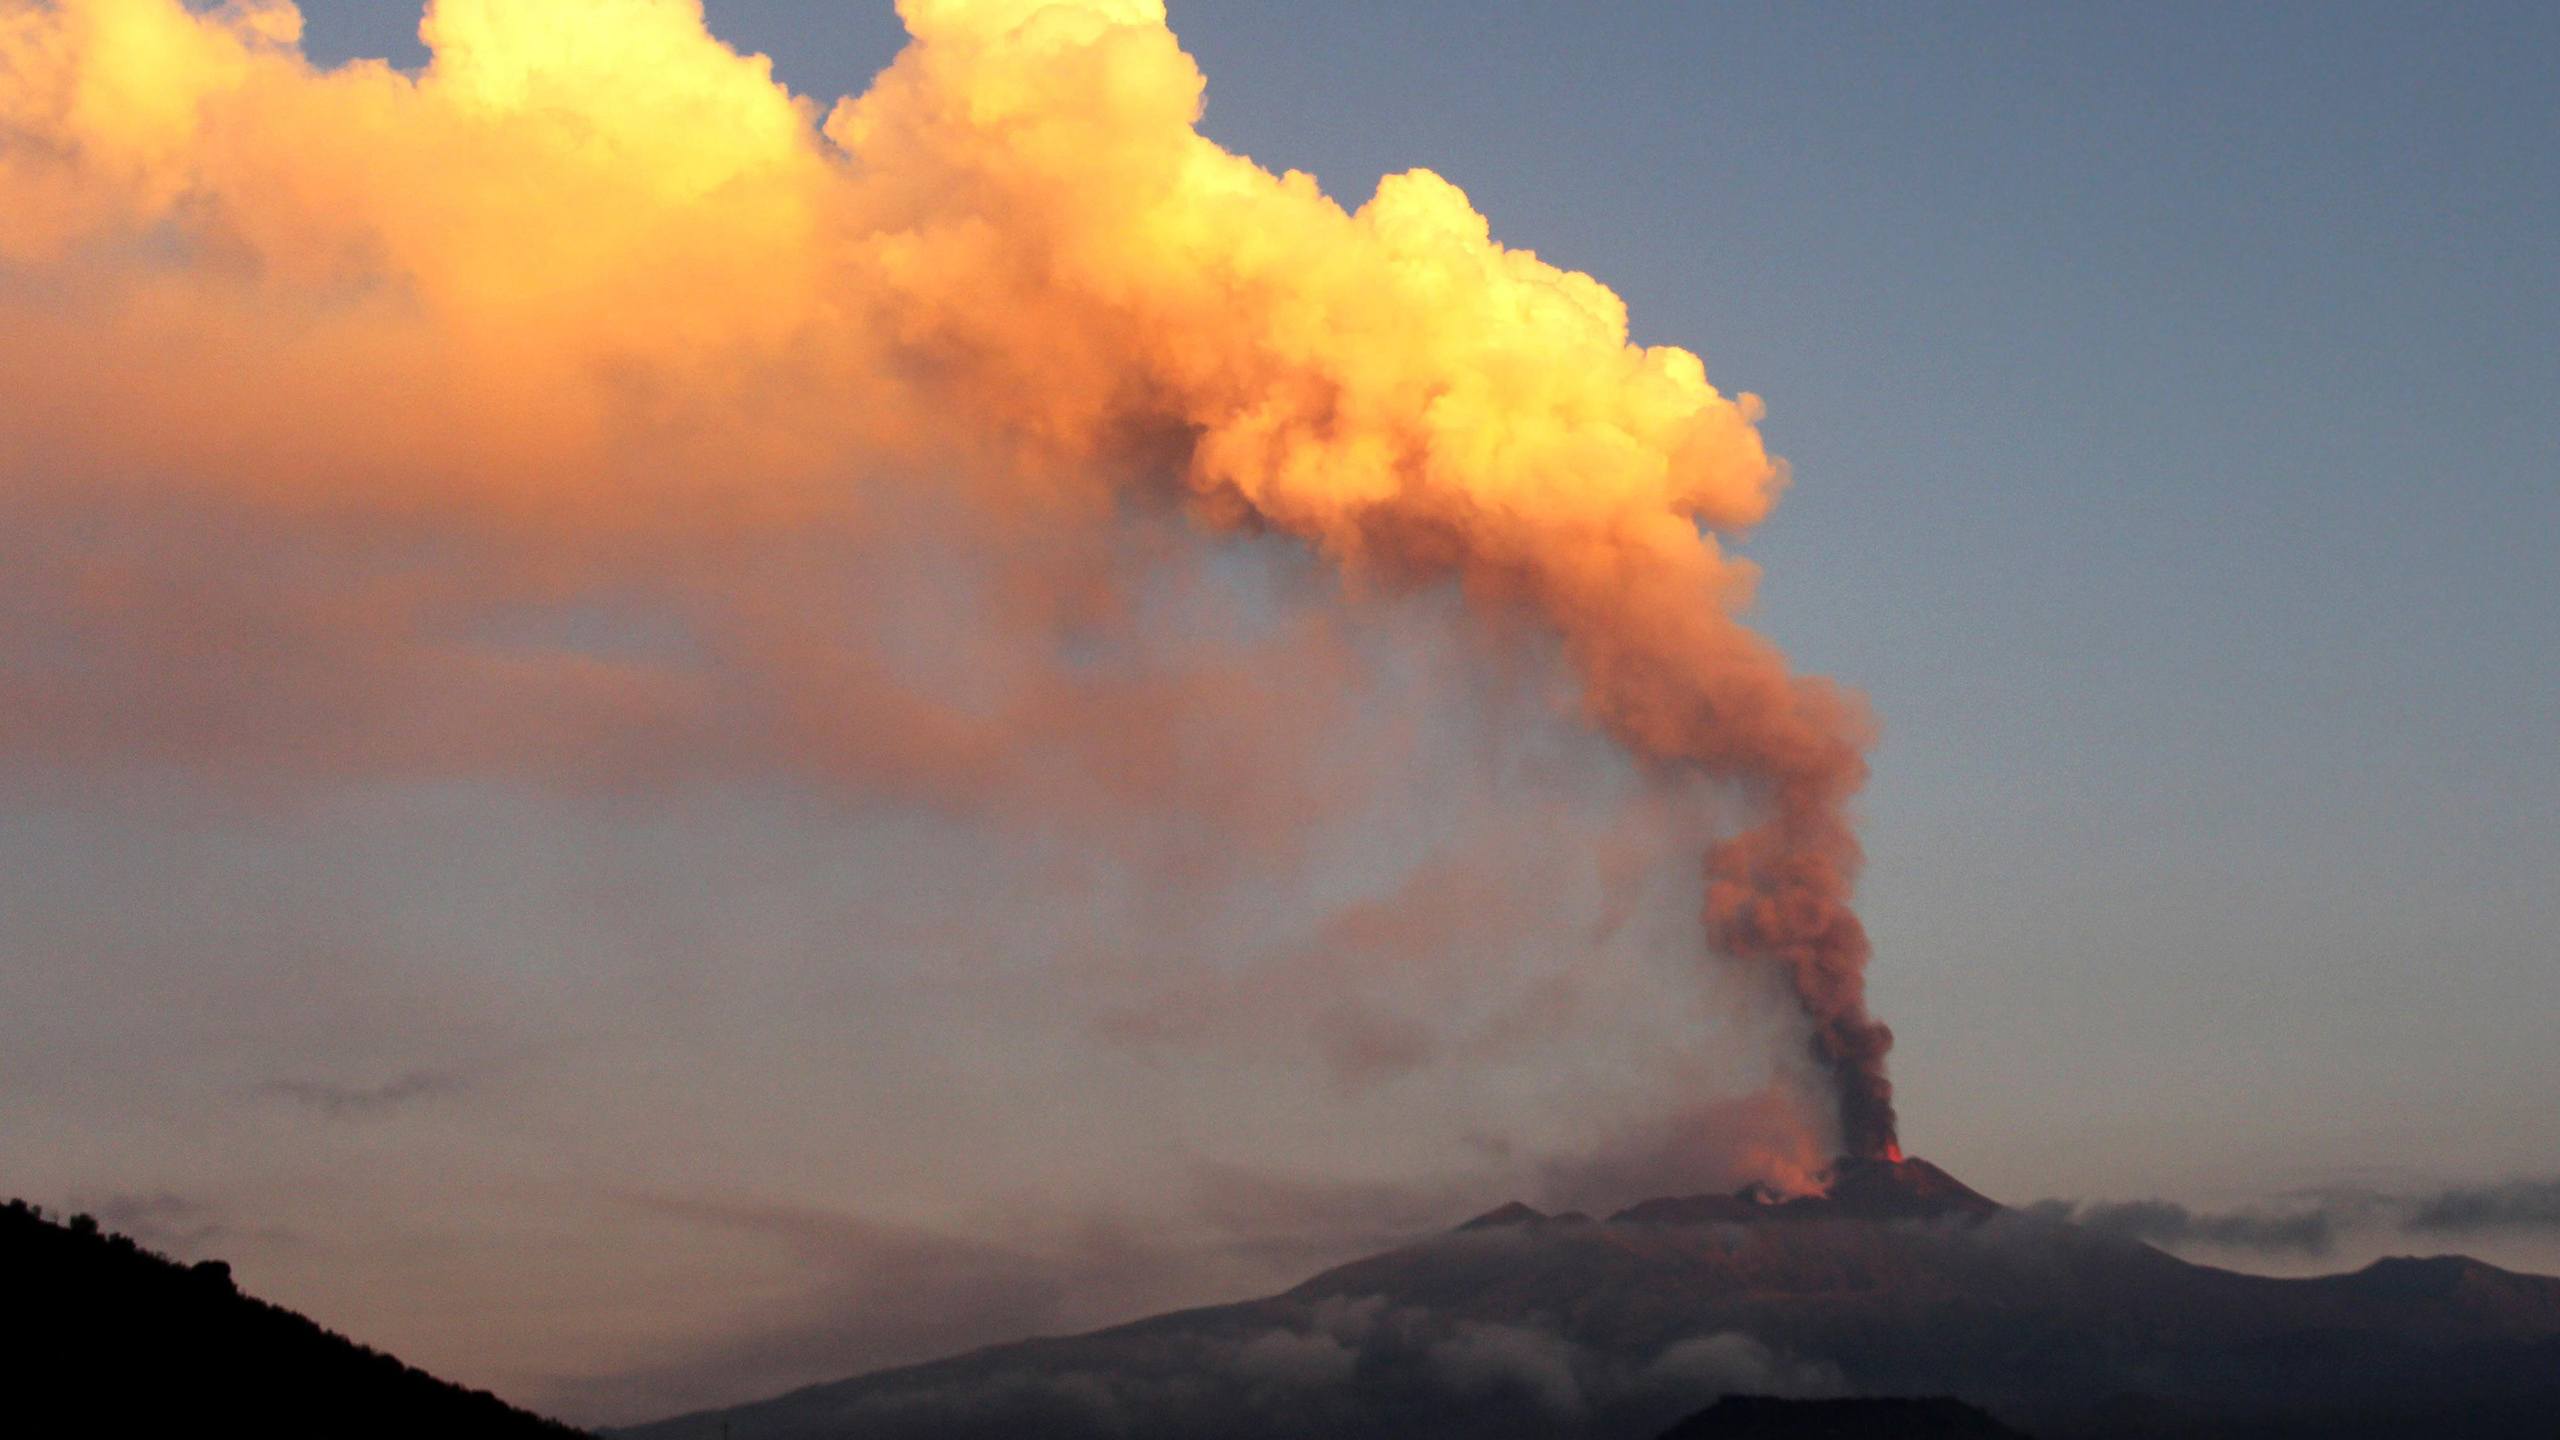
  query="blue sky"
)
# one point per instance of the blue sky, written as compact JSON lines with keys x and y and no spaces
{"x":2168,"y":396}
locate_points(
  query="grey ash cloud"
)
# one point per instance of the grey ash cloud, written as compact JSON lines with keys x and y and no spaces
{"x":359,"y":1102}
{"x":2311,"y":1230}
{"x":2531,"y":1204}
{"x":2310,"y":1223}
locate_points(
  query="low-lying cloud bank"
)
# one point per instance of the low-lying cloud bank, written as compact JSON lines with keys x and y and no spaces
{"x":2165,"y":1222}
{"x":2312,"y":1223}
{"x":2513,"y":1205}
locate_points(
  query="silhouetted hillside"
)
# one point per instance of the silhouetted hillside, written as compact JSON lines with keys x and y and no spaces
{"x":111,"y":1339}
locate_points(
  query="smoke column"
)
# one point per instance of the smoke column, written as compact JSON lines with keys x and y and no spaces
{"x":592,"y":274}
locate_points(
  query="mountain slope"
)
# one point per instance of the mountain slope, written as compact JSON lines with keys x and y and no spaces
{"x":114,"y":1340}
{"x":1900,"y":1282}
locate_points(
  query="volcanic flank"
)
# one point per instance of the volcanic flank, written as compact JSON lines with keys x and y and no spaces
{"x":1898,"y":1279}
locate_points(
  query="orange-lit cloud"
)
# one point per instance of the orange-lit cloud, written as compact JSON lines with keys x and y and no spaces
{"x":317,"y":378}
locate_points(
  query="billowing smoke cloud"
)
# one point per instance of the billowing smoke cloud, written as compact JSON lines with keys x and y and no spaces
{"x":408,"y":373}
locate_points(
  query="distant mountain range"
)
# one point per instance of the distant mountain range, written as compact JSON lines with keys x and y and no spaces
{"x":1900,"y":1281}
{"x":104,"y":1338}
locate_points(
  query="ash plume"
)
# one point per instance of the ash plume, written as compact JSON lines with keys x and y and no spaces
{"x":592,"y":305}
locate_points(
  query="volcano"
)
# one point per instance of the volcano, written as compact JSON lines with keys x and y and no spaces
{"x":1896,"y":1280}
{"x":1854,"y":1189}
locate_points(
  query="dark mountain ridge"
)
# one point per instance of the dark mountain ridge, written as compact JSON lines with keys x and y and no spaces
{"x":109,"y":1338}
{"x":1898,"y":1281}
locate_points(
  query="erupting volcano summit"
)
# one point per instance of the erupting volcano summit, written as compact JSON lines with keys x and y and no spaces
{"x":1854,"y":1189}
